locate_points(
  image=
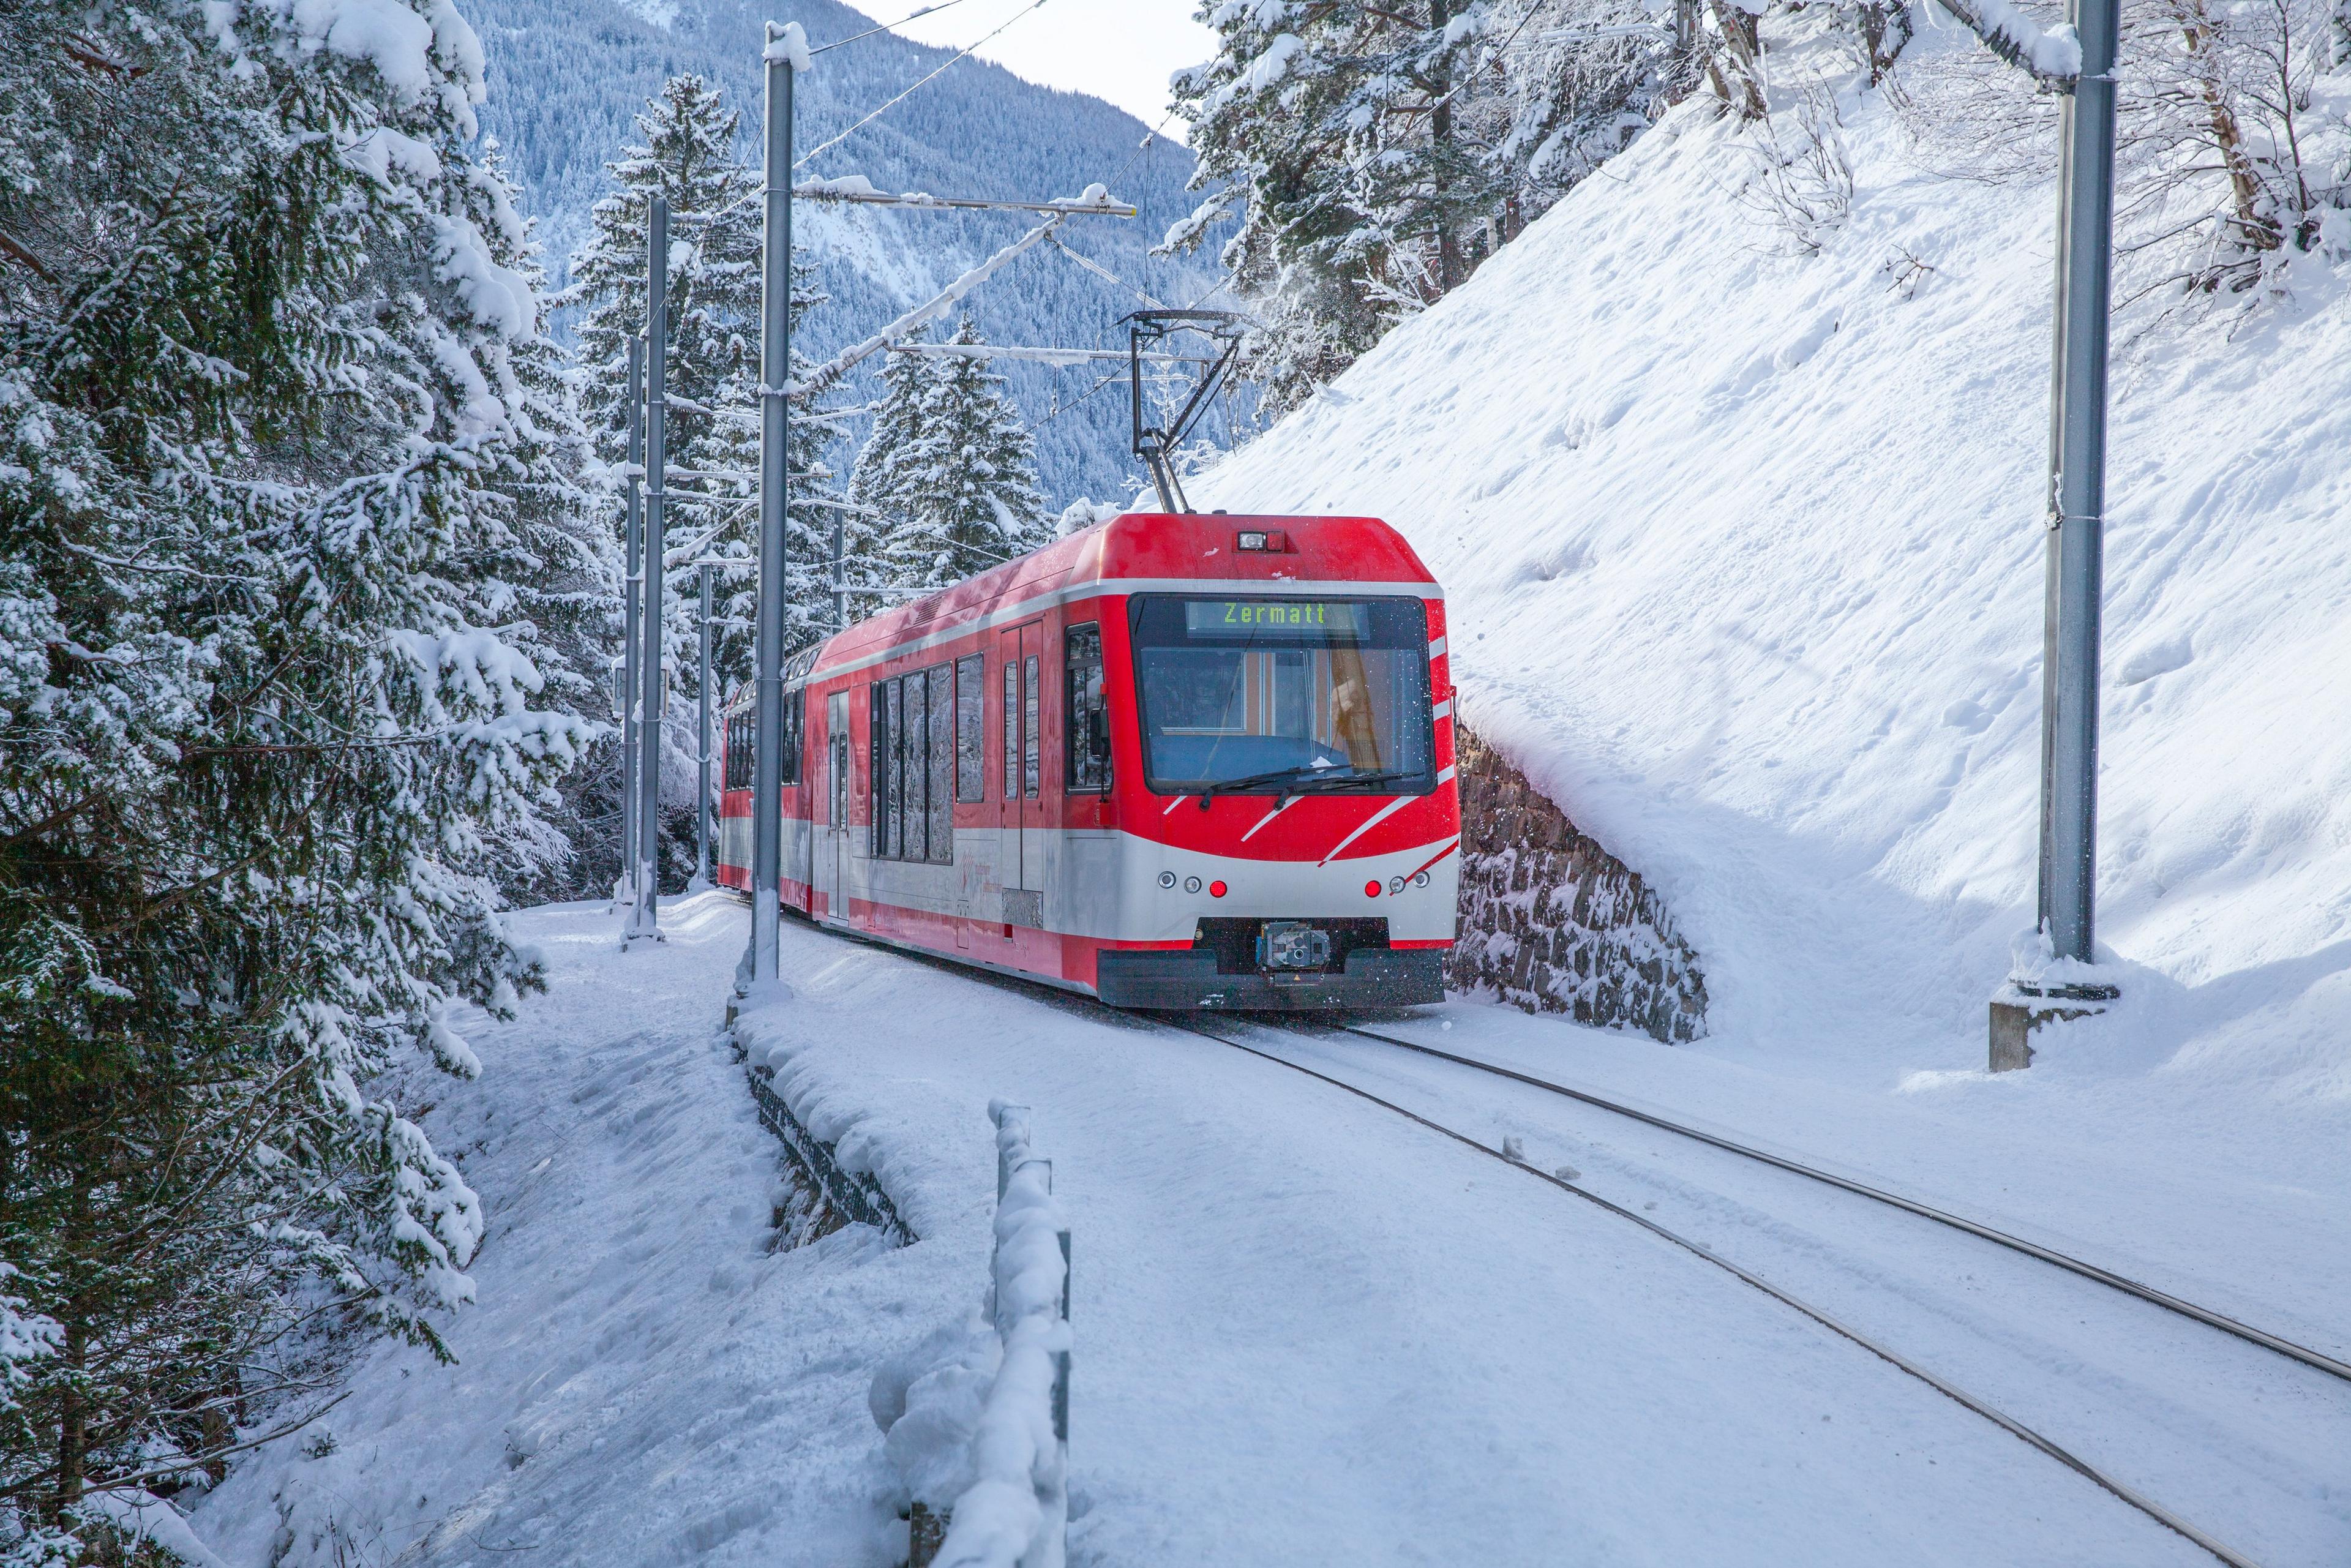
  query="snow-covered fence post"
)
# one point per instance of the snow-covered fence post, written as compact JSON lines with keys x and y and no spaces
{"x":1011,"y":1135}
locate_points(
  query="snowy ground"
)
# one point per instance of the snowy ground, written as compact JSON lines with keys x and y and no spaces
{"x":642,"y":1381}
{"x":1306,"y":1330}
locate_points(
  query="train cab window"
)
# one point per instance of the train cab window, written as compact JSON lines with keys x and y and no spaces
{"x":1284,"y":696}
{"x":1085,"y":716}
{"x":970,"y":728}
{"x":913,"y":766}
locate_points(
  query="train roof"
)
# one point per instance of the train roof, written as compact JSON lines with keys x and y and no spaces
{"x":1158,"y":548}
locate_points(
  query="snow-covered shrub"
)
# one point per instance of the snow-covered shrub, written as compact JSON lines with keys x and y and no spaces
{"x":2234,"y":128}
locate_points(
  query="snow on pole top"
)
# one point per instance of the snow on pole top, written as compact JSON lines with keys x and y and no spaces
{"x":2054,"y":55}
{"x":1095,"y":195}
{"x":840,"y":185}
{"x":789,"y":43}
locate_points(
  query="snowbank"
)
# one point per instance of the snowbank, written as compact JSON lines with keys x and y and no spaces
{"x":1745,"y":553}
{"x":642,"y":1379}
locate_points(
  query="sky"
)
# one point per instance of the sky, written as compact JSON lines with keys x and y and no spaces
{"x":1119,"y":49}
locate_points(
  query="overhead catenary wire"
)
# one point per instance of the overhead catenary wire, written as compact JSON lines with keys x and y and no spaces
{"x":1103,"y":272}
{"x":802,"y":161}
{"x":884,"y":27}
{"x":841,"y":364}
{"x":1037,"y":354}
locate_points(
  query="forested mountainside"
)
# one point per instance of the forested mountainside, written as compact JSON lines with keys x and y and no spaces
{"x":567,"y":78}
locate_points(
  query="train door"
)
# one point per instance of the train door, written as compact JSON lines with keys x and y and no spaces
{"x":1022,"y":810}
{"x":832,"y":852}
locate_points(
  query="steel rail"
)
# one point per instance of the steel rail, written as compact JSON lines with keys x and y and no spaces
{"x":2316,"y":1360}
{"x":1952,"y":1391}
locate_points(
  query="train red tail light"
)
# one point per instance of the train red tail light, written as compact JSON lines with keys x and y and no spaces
{"x":1216,"y":890}
{"x":1371,"y":889}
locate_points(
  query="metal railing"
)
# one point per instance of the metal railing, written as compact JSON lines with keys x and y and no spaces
{"x":1015,"y":1513}
{"x":854,"y":1196}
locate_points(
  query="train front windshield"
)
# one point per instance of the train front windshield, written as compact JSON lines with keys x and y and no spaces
{"x":1284,"y":695}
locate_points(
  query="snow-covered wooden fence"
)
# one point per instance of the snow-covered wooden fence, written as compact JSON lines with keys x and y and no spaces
{"x":1014,"y":1513}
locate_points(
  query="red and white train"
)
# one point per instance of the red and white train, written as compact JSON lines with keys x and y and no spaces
{"x":1174,"y":760}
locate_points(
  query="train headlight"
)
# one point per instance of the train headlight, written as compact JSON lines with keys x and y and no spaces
{"x":1395,"y":884}
{"x":1167,"y":879}
{"x":1420,"y":879}
{"x":1191,"y":883}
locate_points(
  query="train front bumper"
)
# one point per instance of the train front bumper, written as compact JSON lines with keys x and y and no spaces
{"x":1188,"y":980}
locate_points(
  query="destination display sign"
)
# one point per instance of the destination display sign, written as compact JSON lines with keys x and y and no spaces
{"x":1315,"y":618}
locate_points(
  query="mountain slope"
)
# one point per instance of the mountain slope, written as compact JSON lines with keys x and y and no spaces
{"x":1745,"y":553}
{"x":566,"y":78}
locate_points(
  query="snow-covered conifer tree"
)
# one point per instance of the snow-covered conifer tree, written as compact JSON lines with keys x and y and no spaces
{"x":953,"y":469}
{"x":287,"y":528}
{"x":884,"y":484}
{"x":1331,"y":130}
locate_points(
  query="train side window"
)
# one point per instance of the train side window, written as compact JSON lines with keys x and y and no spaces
{"x":914,"y":728}
{"x":1085,"y":717}
{"x":971,"y":725}
{"x":894,"y":697}
{"x":1028,"y":717}
{"x":1012,"y":729}
{"x":789,"y":759}
{"x":878,"y":774}
{"x":939,"y":781}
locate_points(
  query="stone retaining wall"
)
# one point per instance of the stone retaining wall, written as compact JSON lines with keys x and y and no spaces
{"x":1553,"y":923}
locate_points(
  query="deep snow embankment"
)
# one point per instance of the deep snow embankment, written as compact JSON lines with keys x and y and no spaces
{"x":644,"y":1379}
{"x":1744,"y":554}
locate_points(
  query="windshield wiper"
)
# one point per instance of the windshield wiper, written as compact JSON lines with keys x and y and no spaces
{"x":1325,"y":778}
{"x":1385,"y":775}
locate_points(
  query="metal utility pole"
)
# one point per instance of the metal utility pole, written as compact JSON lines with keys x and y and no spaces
{"x":646,"y":921}
{"x":775,"y":374}
{"x":2077,"y":491}
{"x":632,"y":578}
{"x":702,"y":744}
{"x":840,"y":579}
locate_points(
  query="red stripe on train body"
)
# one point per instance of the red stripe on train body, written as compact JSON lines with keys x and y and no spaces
{"x":1171,"y":760}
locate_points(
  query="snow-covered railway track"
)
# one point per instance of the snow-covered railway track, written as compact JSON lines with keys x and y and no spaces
{"x":2005,"y":1340}
{"x":2316,"y":1360}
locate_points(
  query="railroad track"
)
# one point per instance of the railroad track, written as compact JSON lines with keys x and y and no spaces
{"x":1220,"y":1031}
{"x":2303,"y":1357}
